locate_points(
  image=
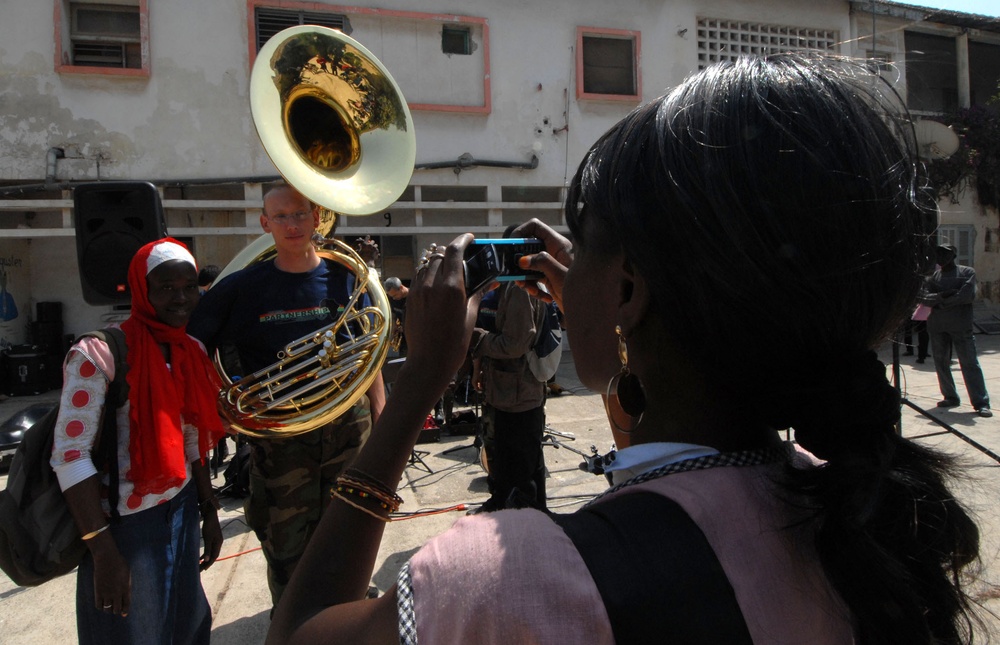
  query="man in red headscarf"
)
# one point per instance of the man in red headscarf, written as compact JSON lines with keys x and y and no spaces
{"x":140,"y":582}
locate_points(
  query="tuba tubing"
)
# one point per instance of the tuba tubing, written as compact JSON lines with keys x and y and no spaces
{"x":335,"y":125}
{"x":316,"y":378}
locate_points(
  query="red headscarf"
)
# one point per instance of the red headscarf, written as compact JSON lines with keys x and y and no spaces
{"x":158,"y":396}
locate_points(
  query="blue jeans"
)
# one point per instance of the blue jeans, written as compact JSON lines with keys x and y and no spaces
{"x":964,"y":344}
{"x":162,"y":546}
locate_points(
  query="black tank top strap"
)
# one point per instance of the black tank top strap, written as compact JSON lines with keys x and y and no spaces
{"x":657,"y":574}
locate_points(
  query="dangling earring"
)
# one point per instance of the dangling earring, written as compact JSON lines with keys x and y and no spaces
{"x":625,"y":389}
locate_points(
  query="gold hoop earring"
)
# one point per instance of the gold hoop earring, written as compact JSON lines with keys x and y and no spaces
{"x":625,"y":390}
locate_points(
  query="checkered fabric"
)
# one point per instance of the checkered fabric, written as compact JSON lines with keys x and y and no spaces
{"x":741,"y":458}
{"x":404,"y":604}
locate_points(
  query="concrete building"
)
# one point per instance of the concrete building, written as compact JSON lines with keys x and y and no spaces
{"x":942,"y":61}
{"x":506,"y":97}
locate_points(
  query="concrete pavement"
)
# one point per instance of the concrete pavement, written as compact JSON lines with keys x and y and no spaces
{"x":236,"y":585}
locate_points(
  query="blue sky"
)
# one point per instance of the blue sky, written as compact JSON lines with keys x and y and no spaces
{"x":982,"y":7}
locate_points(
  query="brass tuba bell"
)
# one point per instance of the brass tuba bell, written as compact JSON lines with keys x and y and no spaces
{"x":336,"y":127}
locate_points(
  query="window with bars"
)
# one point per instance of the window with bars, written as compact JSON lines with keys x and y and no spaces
{"x":105,"y":35}
{"x":727,"y":40}
{"x":270,"y":21}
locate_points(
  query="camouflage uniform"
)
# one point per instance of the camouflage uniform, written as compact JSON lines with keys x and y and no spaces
{"x":291,"y":481}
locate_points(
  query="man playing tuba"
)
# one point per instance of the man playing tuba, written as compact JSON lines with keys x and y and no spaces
{"x":259,"y":310}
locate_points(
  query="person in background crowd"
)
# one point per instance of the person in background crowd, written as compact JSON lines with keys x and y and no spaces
{"x":514,"y":400}
{"x":396,"y":290}
{"x":207,"y":276}
{"x":950,"y":291}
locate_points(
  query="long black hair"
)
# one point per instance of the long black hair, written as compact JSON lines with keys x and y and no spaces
{"x":788,"y":193}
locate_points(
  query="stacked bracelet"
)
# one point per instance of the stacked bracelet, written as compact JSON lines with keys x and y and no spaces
{"x":93,"y":534}
{"x":382,"y":517}
{"x":366,"y":494}
{"x":372,"y":486}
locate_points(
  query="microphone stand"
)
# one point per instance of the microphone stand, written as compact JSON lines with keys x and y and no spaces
{"x":905,"y":401}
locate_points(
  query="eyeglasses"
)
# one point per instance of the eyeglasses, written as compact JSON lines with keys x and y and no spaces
{"x":285,"y":220}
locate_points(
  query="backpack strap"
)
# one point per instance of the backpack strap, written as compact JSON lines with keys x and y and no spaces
{"x":117,"y":395}
{"x":656,"y":572}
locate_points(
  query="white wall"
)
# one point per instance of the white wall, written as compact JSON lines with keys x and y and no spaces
{"x":190,"y":119}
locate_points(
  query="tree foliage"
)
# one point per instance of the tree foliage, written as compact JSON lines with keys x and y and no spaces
{"x":976,"y":164}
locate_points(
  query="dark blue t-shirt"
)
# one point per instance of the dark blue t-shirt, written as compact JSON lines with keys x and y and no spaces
{"x":261,"y":309}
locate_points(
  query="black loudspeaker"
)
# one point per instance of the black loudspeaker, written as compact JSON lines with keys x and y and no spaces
{"x":113,"y":221}
{"x":48,"y":311}
{"x":25,"y":371}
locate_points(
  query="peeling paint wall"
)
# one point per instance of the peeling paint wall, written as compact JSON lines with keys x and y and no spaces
{"x":190,"y":118}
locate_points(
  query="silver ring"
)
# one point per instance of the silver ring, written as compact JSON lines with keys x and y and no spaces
{"x":431,"y":249}
{"x":434,"y":256}
{"x":107,"y":606}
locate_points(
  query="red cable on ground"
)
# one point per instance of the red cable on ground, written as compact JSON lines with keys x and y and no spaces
{"x":236,"y":555}
{"x":410,"y":516}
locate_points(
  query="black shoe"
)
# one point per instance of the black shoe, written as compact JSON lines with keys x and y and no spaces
{"x":984,"y":411}
{"x":909,"y":352}
{"x":921,"y":360}
{"x":949,"y":403}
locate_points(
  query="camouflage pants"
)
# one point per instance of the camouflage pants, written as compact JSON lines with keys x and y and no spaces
{"x":290,"y":485}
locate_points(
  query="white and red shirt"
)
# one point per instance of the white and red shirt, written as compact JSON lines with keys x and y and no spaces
{"x":87,"y":371}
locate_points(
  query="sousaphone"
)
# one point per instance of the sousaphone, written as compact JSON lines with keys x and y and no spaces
{"x":336,"y":127}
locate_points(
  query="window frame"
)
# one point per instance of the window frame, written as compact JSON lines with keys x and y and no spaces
{"x":912,"y":64}
{"x":619,"y":34}
{"x":284,"y":7}
{"x":474,"y":23}
{"x":63,"y":16}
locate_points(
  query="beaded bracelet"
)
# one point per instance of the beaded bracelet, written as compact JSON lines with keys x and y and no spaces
{"x":365,"y":482}
{"x":343,"y":488}
{"x":94,"y":534}
{"x":381,"y":518}
{"x":354,"y":473}
{"x":390,"y":500}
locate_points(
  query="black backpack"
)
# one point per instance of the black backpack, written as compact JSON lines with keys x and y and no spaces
{"x":237,"y":473}
{"x":38,"y":537}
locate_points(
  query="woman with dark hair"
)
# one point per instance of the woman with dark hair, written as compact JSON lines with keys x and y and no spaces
{"x":780,"y":192}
